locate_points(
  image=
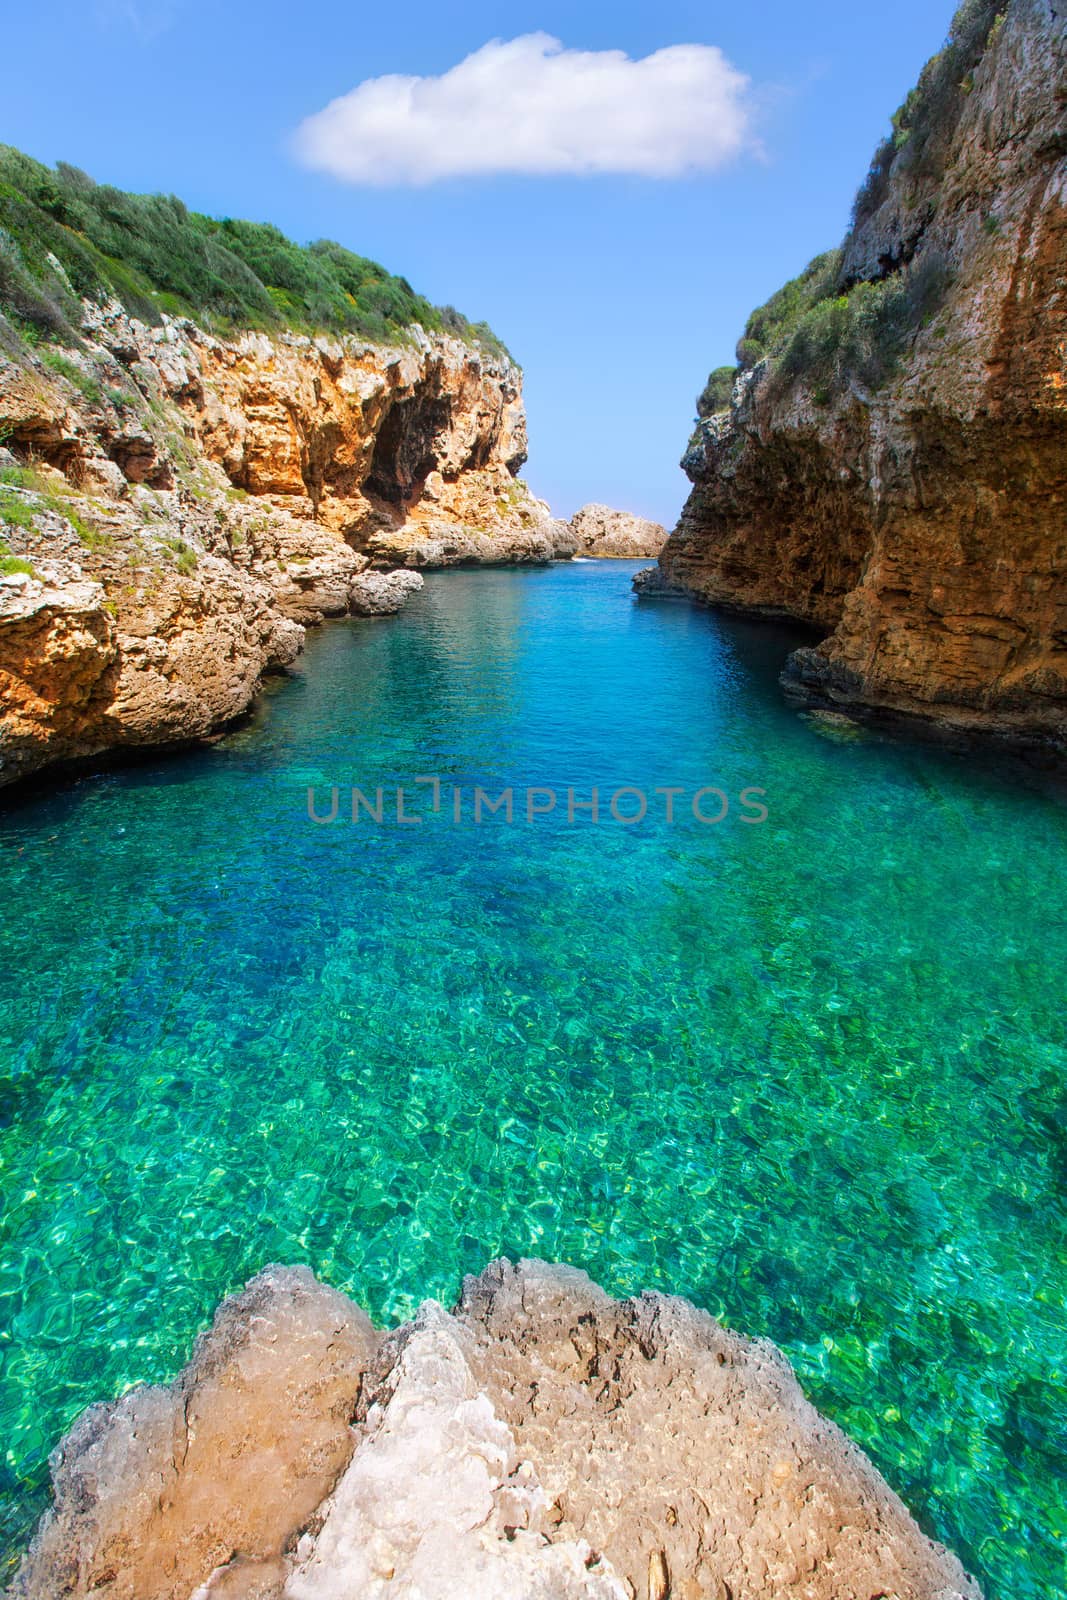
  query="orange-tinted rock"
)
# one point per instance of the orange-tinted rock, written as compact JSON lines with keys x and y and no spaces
{"x":198,"y":502}
{"x":158,"y":1489}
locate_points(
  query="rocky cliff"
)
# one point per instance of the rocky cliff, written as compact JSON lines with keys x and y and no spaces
{"x":539,"y":1442}
{"x":892,"y":464}
{"x":177,"y":507}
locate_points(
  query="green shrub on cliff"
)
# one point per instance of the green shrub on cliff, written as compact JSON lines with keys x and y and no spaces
{"x":923,"y":126}
{"x":34,"y":301}
{"x":814,"y":332}
{"x":62,"y":237}
{"x":82,"y":381}
{"x":185,"y":557}
{"x":11,"y":565}
{"x":863,"y":334}
{"x":716,"y":393}
{"x":770,"y":324}
{"x":49,"y":493}
{"x":15,"y":512}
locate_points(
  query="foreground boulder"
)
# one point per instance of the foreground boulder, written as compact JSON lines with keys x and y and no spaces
{"x":155,"y":1491}
{"x":541,"y":1442}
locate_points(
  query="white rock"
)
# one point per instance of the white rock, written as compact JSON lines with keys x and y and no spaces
{"x":379,"y":594}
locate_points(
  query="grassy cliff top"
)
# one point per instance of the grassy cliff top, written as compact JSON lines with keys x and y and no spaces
{"x":62,"y":237}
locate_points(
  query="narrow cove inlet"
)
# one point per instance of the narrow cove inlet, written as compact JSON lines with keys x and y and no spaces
{"x":533,"y":803}
{"x":805,"y":1069}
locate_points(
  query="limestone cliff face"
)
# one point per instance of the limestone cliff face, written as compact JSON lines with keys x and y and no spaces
{"x":398,"y":451}
{"x":176,"y":508}
{"x":540,"y":1442}
{"x":921,"y":522}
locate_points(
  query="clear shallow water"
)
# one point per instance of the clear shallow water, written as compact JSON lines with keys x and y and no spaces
{"x":810,"y":1074}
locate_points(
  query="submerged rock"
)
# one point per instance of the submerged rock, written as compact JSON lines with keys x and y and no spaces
{"x":836,"y":726}
{"x":541,"y":1442}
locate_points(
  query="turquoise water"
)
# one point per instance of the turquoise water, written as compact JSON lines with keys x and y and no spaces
{"x":809,"y":1073}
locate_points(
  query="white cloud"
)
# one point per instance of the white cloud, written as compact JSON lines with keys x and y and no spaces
{"x":530,"y":106}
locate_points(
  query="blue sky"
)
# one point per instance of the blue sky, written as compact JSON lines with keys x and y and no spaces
{"x":617,"y":293}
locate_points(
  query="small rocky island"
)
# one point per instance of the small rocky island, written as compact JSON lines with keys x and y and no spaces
{"x":539,"y":1442}
{"x":606,"y":534}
